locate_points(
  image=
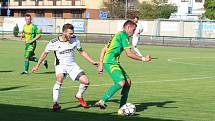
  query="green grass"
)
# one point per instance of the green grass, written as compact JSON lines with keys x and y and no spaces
{"x":177,"y":86}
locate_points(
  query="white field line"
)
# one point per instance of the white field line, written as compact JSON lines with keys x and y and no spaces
{"x":104,"y":85}
{"x":175,"y":60}
{"x":174,"y":80}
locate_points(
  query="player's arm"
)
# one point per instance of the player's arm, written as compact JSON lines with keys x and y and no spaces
{"x":132,"y":55}
{"x":100,"y":66}
{"x":35,"y":38}
{"x":22,"y":35}
{"x":87,"y":56}
{"x":42,"y":57}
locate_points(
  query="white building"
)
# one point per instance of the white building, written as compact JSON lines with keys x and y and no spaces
{"x":188,"y":9}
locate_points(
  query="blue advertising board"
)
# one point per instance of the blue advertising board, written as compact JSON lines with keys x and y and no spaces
{"x":79,"y":25}
{"x":103,"y":14}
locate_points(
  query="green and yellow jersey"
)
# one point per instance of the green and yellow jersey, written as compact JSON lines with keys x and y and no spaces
{"x":30,"y":31}
{"x":114,"y":48}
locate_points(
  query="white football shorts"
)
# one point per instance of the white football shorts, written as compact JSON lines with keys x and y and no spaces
{"x":135,"y":40}
{"x":71,"y":70}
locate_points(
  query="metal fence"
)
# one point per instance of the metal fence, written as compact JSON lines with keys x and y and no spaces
{"x":156,"y":32}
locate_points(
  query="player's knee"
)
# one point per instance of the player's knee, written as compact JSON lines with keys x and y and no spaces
{"x":122,"y":83}
{"x":84,"y":81}
{"x":128,"y":82}
{"x":60,"y":78}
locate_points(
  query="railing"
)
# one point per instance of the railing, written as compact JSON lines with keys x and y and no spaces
{"x":156,"y":32}
{"x":14,"y":3}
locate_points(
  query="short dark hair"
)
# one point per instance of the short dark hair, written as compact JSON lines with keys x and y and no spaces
{"x":129,"y":22}
{"x":28,"y":15}
{"x":67,"y":26}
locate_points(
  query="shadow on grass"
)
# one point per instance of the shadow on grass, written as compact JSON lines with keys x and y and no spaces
{"x":48,"y":72}
{"x":143,"y":106}
{"x":27,"y":113}
{"x":7,"y":71}
{"x":10,"y":88}
{"x":154,"y":58}
{"x":140,"y":106}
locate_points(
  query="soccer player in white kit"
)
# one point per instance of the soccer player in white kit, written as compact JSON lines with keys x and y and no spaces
{"x":136,"y":36}
{"x":64,"y":47}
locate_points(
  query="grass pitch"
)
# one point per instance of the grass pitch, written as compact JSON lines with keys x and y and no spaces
{"x":178,"y":85}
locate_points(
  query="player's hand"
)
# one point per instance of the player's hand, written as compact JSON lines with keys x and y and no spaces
{"x":20,"y":39}
{"x":100,"y":69}
{"x":148,"y":58}
{"x":34,"y":69}
{"x":95,"y":63}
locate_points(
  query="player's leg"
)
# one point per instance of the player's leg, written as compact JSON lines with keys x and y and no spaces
{"x":32,"y":54}
{"x":35,"y":58}
{"x":28,"y":49}
{"x":60,"y":74}
{"x":125,"y":89}
{"x":124,"y":92}
{"x":57,"y":87}
{"x":135,"y":40}
{"x":84,"y":83}
{"x":76,"y":73}
{"x":116,"y":74}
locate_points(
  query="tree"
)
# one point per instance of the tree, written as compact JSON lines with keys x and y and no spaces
{"x":16,"y":31}
{"x":148,"y":10}
{"x":209,"y":6}
{"x":165,"y":10}
{"x":115,"y":8}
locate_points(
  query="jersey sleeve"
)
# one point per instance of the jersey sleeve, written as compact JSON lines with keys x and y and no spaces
{"x":37,"y":30}
{"x":51,"y":46}
{"x":78,"y":46}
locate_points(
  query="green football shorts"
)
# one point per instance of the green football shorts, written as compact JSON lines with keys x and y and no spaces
{"x":116,"y":72}
{"x":29,"y":50}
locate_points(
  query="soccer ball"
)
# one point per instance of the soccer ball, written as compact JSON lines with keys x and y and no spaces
{"x":128,"y":109}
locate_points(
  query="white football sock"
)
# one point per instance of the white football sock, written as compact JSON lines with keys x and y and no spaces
{"x":56,"y":91}
{"x":137,"y":51}
{"x":82,"y":89}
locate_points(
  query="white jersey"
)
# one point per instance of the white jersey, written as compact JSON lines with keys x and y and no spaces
{"x":136,"y":34}
{"x":138,"y":30}
{"x":64,"y":51}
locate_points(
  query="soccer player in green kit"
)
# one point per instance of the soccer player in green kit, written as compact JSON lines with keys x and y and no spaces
{"x":109,"y":60}
{"x":31,"y":34}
